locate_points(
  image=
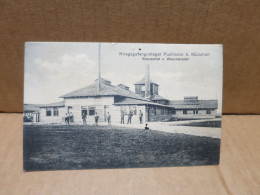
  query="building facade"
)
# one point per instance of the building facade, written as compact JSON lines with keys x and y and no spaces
{"x":111,"y":99}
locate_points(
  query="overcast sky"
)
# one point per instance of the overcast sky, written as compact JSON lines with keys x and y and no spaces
{"x":54,"y":69}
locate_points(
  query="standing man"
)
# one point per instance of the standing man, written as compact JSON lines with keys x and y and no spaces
{"x":141,"y":117}
{"x":84,"y":117}
{"x":108,"y":119}
{"x":96,"y":118}
{"x":122,"y":117}
{"x":129,"y":117}
{"x":67,"y":119}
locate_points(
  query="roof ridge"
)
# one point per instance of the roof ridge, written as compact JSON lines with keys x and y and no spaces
{"x":55,"y":104}
{"x":207,"y":104}
{"x":78,"y":90}
{"x":107,"y":89}
{"x":133,"y":93}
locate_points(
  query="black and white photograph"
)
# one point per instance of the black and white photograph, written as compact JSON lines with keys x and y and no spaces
{"x":94,"y":105}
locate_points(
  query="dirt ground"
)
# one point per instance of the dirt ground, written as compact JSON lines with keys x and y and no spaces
{"x":213,"y":124}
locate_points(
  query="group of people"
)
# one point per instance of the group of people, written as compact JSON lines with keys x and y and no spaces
{"x":130,"y":115}
{"x":68,"y":118}
{"x":96,"y":117}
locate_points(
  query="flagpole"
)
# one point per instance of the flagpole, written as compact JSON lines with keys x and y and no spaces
{"x":99,"y":67}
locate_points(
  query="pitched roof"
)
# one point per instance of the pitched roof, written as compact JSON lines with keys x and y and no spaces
{"x":158,"y":97}
{"x":105,"y":90}
{"x":142,"y":81}
{"x":31,"y":107}
{"x":130,"y":101}
{"x":200,"y":104}
{"x":56,"y":104}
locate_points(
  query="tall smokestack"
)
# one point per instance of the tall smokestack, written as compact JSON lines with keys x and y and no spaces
{"x":147,"y":81}
{"x":99,"y":69}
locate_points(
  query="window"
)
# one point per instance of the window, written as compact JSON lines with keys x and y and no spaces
{"x":155,"y":89}
{"x":208,"y":112}
{"x":91,"y":111}
{"x":154,"y":110}
{"x":174,"y":112}
{"x":48,"y":111}
{"x":195,"y":111}
{"x":184,"y":111}
{"x":151,"y":88}
{"x":55,"y":111}
{"x":84,"y":110}
{"x":69,"y":109}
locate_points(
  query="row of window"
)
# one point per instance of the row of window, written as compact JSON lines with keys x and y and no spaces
{"x":55,"y":111}
{"x":84,"y":110}
{"x":162,"y":111}
{"x":91,"y":111}
{"x":168,"y":111}
{"x":196,"y":112}
{"x":88,"y":110}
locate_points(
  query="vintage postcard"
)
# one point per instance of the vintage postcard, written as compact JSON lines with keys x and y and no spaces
{"x":121,"y":105}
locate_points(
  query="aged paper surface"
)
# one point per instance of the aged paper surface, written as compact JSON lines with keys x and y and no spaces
{"x":121,"y":105}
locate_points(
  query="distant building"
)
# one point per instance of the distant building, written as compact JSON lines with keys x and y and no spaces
{"x":192,"y":108}
{"x":54,"y":112}
{"x":31,"y":113}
